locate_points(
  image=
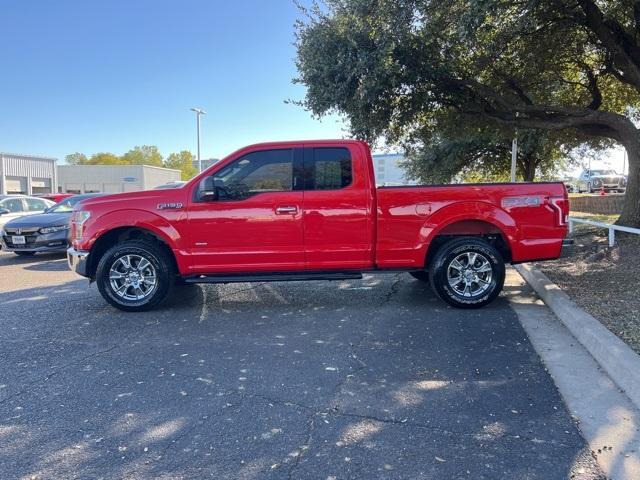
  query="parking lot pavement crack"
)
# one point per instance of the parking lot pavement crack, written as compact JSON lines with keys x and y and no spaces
{"x":408,"y":423}
{"x":304,"y":448}
{"x":394,"y":289}
{"x":275,"y":401}
{"x":57,"y":371}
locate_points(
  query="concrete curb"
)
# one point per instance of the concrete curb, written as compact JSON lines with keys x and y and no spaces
{"x":620,"y":362}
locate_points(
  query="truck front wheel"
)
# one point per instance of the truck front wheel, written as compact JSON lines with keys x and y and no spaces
{"x":467,"y":273}
{"x":135,"y":275}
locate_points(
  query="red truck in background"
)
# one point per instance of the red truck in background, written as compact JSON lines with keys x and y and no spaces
{"x":310,"y":210}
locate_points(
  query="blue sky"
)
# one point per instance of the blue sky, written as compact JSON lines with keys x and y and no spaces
{"x":94,"y":76}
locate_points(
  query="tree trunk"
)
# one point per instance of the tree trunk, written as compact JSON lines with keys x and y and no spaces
{"x":631,"y":212}
{"x":529,"y":169}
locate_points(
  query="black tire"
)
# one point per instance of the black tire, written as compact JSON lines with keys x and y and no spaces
{"x":421,"y":275}
{"x":155,"y":255}
{"x":441,"y":265}
{"x":25,"y":254}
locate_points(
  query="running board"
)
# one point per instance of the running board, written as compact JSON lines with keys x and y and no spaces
{"x":274,"y":277}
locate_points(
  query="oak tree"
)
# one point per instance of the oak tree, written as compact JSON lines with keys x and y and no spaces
{"x":557,"y":65}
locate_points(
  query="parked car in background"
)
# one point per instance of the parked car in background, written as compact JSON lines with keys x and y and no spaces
{"x":14,"y":206}
{"x":47,"y":232}
{"x":56,"y":197}
{"x":595,"y":180}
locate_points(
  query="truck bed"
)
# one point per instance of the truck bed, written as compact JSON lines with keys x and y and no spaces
{"x":527,"y":216}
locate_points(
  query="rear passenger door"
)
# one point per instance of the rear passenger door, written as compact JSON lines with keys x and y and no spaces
{"x":337,"y":205}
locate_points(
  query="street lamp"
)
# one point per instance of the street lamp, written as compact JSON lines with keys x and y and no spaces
{"x":199,"y":112}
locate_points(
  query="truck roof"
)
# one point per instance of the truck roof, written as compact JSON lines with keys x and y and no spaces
{"x":303,"y":142}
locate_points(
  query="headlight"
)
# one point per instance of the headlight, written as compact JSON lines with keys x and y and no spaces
{"x":597,"y":181}
{"x":58,"y":228}
{"x":78,"y":220}
{"x":1,"y":232}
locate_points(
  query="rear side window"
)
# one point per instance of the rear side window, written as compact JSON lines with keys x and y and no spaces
{"x":36,"y":205}
{"x":14,"y":205}
{"x":330,"y":169}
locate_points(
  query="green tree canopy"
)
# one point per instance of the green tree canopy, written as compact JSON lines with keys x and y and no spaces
{"x":143,"y":155}
{"x":182,"y":161}
{"x":105,"y":158}
{"x":76,"y":159}
{"x":558,"y":65}
{"x":485,"y":155}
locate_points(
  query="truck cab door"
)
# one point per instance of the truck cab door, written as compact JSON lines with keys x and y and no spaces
{"x":338,"y":203}
{"x":247,"y":216}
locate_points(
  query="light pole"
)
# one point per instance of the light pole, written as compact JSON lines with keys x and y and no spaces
{"x":199,"y":112}
{"x":514,"y":153}
{"x":514,"y":157}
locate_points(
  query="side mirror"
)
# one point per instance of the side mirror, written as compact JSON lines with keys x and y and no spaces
{"x":207,"y":191}
{"x":4,"y":211}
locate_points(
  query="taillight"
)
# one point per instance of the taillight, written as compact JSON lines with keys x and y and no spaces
{"x":561,"y":206}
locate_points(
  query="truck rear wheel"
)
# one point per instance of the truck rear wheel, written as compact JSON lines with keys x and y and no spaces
{"x":135,"y":275}
{"x":467,"y":273}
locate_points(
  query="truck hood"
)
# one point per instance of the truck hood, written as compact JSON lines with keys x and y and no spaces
{"x":40,"y":220}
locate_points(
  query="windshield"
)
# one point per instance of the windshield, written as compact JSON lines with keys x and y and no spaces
{"x":67,"y":204}
{"x":602,"y":172}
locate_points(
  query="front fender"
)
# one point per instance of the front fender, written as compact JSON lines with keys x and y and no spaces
{"x":142,"y":219}
{"x":133,"y":218}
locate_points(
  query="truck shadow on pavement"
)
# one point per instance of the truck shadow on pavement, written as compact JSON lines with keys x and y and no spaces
{"x":367,"y":379}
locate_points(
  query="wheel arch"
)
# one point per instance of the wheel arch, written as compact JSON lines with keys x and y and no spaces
{"x":471,"y":219}
{"x":116,"y":235}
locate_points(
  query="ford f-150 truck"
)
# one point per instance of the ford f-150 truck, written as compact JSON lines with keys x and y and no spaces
{"x":310,"y":210}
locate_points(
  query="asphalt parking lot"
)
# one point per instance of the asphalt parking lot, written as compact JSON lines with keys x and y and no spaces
{"x":360,"y":379}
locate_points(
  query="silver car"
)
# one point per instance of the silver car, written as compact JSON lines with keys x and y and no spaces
{"x":595,"y":180}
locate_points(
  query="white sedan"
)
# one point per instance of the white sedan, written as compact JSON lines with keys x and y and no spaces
{"x":14,"y":206}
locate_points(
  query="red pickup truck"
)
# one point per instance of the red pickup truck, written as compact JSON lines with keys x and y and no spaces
{"x":311,"y":211}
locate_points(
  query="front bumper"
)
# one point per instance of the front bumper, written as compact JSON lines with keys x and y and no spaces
{"x":78,"y":261}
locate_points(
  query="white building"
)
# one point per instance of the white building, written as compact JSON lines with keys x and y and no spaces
{"x":27,"y":174}
{"x":389,"y":172}
{"x":113,"y":178}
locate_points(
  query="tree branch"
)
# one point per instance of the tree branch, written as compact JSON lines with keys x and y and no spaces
{"x":625,"y":51}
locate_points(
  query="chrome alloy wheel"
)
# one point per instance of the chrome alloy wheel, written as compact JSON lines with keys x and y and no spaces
{"x":469,"y":274}
{"x":132,"y":277}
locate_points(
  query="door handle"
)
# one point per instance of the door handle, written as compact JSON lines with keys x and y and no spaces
{"x":286,"y":210}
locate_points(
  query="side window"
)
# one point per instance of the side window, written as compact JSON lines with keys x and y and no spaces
{"x":330,"y":169}
{"x":256,"y":172}
{"x":14,"y":205}
{"x":36,"y":205}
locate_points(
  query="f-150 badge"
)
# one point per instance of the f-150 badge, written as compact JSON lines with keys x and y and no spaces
{"x":165,"y":206}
